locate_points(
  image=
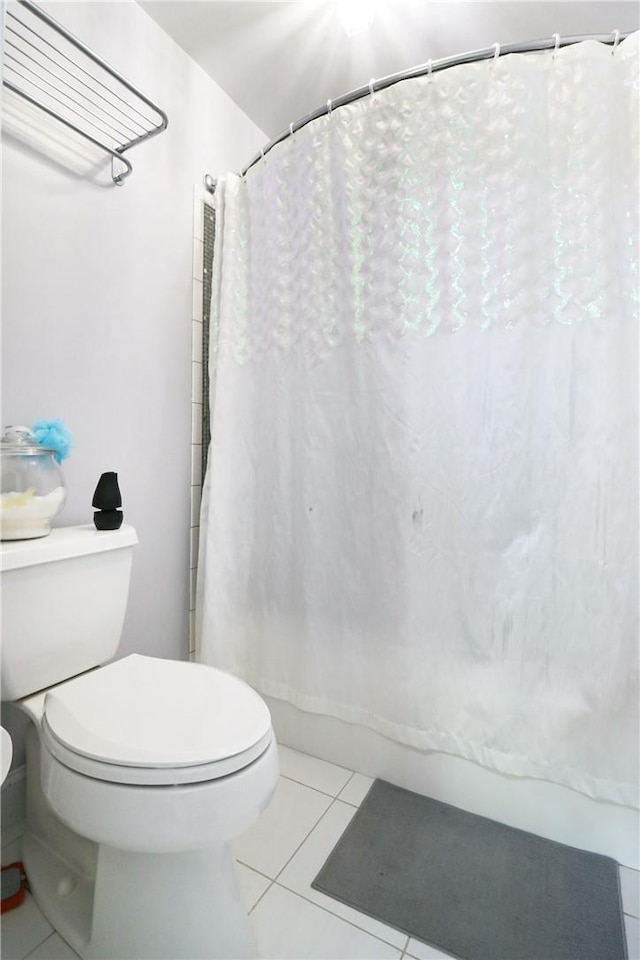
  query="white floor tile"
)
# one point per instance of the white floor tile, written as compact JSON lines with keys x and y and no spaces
{"x":302,"y":869}
{"x":356,"y":789}
{"x":630,"y":885}
{"x":312,"y":772}
{"x":291,"y":815}
{"x":23,"y":929}
{"x":286,"y":927}
{"x":252,"y":885}
{"x":632,"y":926}
{"x":11,"y":834}
{"x":422,"y":951}
{"x":11,"y":851}
{"x":54,"y":948}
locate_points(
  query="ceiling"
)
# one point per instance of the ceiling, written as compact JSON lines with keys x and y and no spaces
{"x":279,"y":61}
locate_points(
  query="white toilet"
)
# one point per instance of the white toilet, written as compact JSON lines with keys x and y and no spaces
{"x":139,"y":773}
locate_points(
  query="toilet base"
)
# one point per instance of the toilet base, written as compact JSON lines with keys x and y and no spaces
{"x":114,"y":904}
{"x":169,"y":905}
{"x":61,"y":891}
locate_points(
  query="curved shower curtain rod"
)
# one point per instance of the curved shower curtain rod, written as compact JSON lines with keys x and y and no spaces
{"x":431,"y":66}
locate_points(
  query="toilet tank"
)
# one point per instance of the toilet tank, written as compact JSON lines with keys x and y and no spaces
{"x":63,"y":603}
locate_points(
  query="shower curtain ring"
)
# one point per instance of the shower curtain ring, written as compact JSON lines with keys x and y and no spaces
{"x":496,"y":51}
{"x":329,"y":107}
{"x":371,"y":87}
{"x":429,"y":68}
{"x":556,"y":37}
{"x":290,"y":129}
{"x":616,"y":40}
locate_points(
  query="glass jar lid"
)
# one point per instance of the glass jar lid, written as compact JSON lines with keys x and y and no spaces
{"x":19,"y":442}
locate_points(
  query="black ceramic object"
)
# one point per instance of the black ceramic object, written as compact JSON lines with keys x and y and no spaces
{"x":107,"y":495}
{"x":108,"y":519}
{"x":107,"y":499}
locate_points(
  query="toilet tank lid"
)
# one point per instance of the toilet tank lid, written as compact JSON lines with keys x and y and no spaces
{"x":63,"y":543}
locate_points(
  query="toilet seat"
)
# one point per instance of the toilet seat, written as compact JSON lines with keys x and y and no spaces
{"x":154,"y":722}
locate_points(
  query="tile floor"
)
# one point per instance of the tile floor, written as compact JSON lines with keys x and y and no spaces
{"x":277,"y":860}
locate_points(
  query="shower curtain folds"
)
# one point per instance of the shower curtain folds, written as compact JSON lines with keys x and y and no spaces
{"x":420,"y":511}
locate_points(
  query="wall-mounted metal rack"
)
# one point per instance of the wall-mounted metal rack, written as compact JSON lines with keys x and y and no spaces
{"x":51,"y":69}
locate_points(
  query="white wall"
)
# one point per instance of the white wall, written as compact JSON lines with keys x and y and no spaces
{"x":97,"y":305}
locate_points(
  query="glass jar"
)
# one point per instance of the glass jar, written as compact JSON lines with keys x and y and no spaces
{"x":32,"y":489}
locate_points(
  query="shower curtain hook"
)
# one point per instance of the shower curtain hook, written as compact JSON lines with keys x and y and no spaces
{"x":329,"y":107}
{"x":496,"y":51}
{"x":371,"y":87}
{"x":429,"y":69}
{"x":290,"y":129}
{"x":616,"y":40}
{"x":556,"y":37}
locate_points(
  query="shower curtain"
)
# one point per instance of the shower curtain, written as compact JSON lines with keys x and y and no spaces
{"x":420,"y":511}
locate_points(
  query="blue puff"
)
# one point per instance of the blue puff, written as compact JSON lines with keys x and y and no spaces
{"x":53,"y":434}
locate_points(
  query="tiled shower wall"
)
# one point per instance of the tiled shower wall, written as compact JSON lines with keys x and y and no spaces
{"x":203,"y":238}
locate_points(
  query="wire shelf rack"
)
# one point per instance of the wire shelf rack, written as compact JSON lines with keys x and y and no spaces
{"x":51,"y":69}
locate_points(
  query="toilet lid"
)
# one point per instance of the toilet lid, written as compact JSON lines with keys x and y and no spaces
{"x":145,"y":712}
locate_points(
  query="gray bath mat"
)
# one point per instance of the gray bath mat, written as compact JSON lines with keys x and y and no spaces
{"x":472,"y":887}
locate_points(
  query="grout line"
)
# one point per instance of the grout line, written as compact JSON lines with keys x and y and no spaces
{"x":261,"y":874}
{"x":255,"y":869}
{"x":347,"y":784}
{"x":312,"y":756}
{"x":351,"y":803}
{"x":334,"y":796}
{"x":351,"y":923}
{"x":13,"y":837}
{"x":50,"y":934}
{"x":322,"y":815}
{"x":271,"y":884}
{"x":41,"y":944}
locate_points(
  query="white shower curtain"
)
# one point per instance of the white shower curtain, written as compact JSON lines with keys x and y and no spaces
{"x":420,"y":512}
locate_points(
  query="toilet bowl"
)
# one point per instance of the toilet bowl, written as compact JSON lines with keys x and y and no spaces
{"x":139,"y":775}
{"x":158,"y":764}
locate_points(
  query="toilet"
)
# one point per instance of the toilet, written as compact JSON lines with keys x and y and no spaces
{"x":139,"y":773}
